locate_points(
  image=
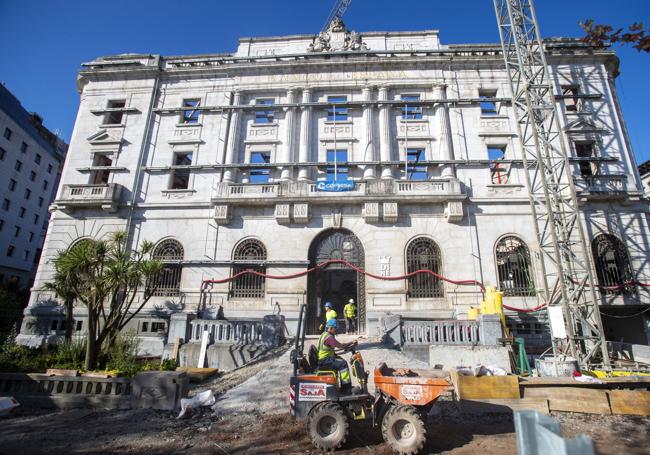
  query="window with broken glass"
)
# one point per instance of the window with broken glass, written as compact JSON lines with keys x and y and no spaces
{"x":260,"y":174}
{"x":612,"y":263}
{"x":180,"y":178}
{"x":264,"y":115}
{"x":115,"y":115}
{"x":189,"y":115}
{"x":101,"y":176}
{"x":334,"y":112}
{"x":409,"y":111}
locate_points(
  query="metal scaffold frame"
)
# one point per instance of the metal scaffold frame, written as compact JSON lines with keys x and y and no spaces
{"x":565,"y":261}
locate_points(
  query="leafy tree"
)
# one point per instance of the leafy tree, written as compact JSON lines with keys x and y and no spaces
{"x":602,"y":34}
{"x":107,"y":279}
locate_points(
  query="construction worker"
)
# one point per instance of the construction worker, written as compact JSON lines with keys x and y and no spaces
{"x":327,"y":358}
{"x":350,"y":311}
{"x":329,"y":314}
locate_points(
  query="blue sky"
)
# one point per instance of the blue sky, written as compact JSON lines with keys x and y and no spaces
{"x":42,"y":43}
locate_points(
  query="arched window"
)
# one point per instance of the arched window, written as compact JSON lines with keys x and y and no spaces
{"x":513,"y":267}
{"x":167,"y":282}
{"x":249,"y":254}
{"x":423,"y":254}
{"x":612,"y":263}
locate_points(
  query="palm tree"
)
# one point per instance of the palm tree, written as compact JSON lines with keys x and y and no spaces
{"x":107,"y":280}
{"x":63,"y":287}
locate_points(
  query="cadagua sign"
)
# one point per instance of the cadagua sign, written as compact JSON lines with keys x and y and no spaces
{"x":335,"y":185}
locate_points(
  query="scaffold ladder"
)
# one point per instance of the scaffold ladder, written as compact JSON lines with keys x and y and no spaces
{"x":568,"y":279}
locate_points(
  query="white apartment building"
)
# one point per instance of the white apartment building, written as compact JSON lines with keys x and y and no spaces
{"x":31,"y":159}
{"x":228,"y":161}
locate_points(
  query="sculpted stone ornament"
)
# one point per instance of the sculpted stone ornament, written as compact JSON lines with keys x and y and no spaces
{"x":337,"y":38}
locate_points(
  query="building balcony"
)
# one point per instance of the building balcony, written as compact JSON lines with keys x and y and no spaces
{"x":442,"y":189}
{"x":105,"y":197}
{"x":609,"y":186}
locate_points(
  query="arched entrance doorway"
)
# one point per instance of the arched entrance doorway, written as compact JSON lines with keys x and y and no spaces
{"x":335,"y":283}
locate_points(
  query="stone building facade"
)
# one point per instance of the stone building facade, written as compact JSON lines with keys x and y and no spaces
{"x":229,"y":161}
{"x":31,"y":160}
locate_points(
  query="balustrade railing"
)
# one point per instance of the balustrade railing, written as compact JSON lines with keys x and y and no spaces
{"x":227,"y":332}
{"x":453,"y":332}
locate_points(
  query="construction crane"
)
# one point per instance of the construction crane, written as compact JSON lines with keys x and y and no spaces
{"x":568,"y":282}
{"x":337,"y":12}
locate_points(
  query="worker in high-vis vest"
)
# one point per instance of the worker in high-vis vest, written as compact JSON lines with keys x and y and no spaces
{"x":329,"y":314}
{"x":350,"y":311}
{"x":327,"y":358}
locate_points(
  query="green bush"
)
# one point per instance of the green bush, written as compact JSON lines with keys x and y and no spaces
{"x":123,"y":355}
{"x":69,"y":355}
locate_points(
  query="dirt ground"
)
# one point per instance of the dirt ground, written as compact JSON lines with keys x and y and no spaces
{"x":240,"y":432}
{"x":157,"y":432}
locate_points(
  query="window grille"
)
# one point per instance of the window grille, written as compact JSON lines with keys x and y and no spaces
{"x":252,"y":255}
{"x":513,"y":267}
{"x":612,"y":264}
{"x":167,"y":281}
{"x":423,"y":254}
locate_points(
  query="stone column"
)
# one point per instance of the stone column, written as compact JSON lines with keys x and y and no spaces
{"x":232,"y":147}
{"x":287,"y":155}
{"x":369,"y":152}
{"x":305,"y":136}
{"x":446,"y":143}
{"x":384,"y":133}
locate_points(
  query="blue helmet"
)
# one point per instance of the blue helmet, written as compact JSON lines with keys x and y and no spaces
{"x":328,"y":304}
{"x":330,"y":323}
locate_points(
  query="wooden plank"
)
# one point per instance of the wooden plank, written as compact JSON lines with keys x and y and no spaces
{"x":528,"y":382}
{"x":204,"y":349}
{"x":177,"y":345}
{"x":488,"y":387}
{"x":505,"y":405}
{"x":572,"y":399}
{"x":630,"y":402}
{"x":198,"y":374}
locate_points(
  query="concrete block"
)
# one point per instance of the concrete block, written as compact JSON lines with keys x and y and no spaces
{"x":456,"y":356}
{"x":159,"y":390}
{"x":490,"y":329}
{"x":391,"y":329}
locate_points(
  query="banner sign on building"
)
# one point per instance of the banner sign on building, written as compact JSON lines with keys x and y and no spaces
{"x":335,"y":185}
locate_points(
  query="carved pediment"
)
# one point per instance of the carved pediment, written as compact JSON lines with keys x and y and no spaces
{"x":337,"y":38}
{"x":103,"y":137}
{"x":584,"y":125}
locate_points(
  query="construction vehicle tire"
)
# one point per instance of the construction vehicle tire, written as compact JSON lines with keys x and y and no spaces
{"x":328,"y":426}
{"x":403,"y":430}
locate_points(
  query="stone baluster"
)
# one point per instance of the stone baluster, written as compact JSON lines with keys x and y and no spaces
{"x":446,"y":143}
{"x":304,"y":173}
{"x":232,"y":147}
{"x":384,"y":133}
{"x":369,"y":151}
{"x":287,"y":155}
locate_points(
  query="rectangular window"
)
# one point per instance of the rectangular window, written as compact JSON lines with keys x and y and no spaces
{"x":37,"y":159}
{"x":45,"y":184}
{"x":190,"y":115}
{"x":334,"y":112}
{"x":2,"y":154}
{"x":21,"y":212}
{"x":260,"y":174}
{"x":6,"y":204}
{"x":40,"y":201}
{"x":416,"y":172}
{"x":101,"y":176}
{"x":498,"y":171}
{"x":31,"y":236}
{"x":411,"y":112}
{"x":79,"y":325}
{"x":488,"y":107}
{"x":10,"y":250}
{"x":36,"y":218}
{"x":157,"y":327}
{"x":144,"y":327}
{"x":181,"y":177}
{"x":23,"y":147}
{"x":8,"y":134}
{"x":49,"y":168}
{"x":17,"y":230}
{"x":18,"y":166}
{"x":337,"y":164}
{"x":32,"y":176}
{"x":12,"y":184}
{"x":586,"y":150}
{"x":264,"y":116}
{"x":26,"y":255}
{"x":2,"y":225}
{"x":37,"y":256}
{"x":28,"y":193}
{"x":570,"y":95}
{"x":114,"y":117}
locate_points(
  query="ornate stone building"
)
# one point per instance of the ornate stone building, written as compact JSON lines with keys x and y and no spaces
{"x":231,"y":161}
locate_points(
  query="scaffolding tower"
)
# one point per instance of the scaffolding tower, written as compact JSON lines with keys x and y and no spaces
{"x":568,"y":281}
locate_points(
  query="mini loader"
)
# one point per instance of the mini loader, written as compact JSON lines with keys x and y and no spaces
{"x":399,"y":406}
